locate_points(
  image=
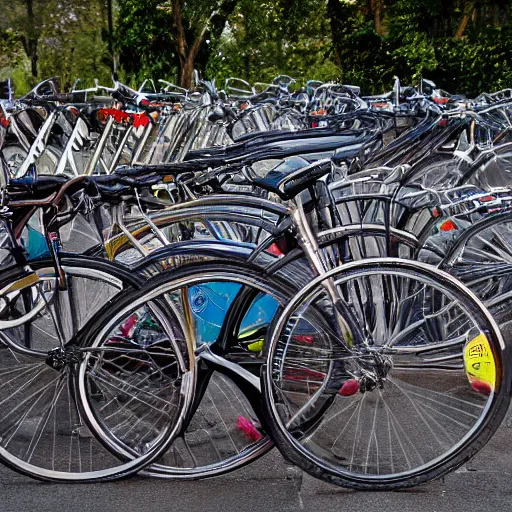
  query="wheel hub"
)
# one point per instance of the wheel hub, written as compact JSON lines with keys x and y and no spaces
{"x":374,"y":372}
{"x":58,"y":358}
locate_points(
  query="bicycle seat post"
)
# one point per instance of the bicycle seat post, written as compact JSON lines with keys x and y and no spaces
{"x":309,"y":243}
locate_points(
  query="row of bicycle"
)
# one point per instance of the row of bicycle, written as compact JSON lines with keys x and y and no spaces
{"x":81,"y":132}
{"x":342,"y":292}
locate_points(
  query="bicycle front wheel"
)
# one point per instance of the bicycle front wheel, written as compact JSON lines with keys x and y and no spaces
{"x":417,"y":397}
{"x":43,"y":429}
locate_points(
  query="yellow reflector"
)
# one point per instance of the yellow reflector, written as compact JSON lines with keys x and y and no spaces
{"x":254,"y":346}
{"x":257,"y":346}
{"x":480,"y":364}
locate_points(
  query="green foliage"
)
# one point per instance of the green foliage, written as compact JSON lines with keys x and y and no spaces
{"x":473,"y":66}
{"x":74,"y":46}
{"x":11,"y":50}
{"x":144,"y":38}
{"x":14,"y":62}
{"x":415,"y":57}
{"x":268,"y":38}
{"x":463,"y":45}
{"x":68,"y":36}
{"x":418,"y":38}
{"x":364,"y":60}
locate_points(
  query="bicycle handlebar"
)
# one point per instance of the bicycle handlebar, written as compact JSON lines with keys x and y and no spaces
{"x":61,"y":98}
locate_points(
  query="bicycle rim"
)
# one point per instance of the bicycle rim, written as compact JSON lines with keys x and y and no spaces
{"x":224,"y":432}
{"x":43,"y":432}
{"x":423,"y":416}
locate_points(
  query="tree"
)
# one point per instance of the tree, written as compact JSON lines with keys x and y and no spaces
{"x":463,"y":45}
{"x":57,"y":35}
{"x":72,"y":46}
{"x":203,"y":18}
{"x":148,"y":29}
{"x":267,"y":38}
{"x":25,"y":19}
{"x":450,"y":41}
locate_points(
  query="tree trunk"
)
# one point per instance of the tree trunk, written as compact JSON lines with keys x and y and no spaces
{"x":335,"y":13}
{"x":110,"y":25}
{"x":376,"y":6}
{"x":217,"y":25}
{"x":469,"y":9}
{"x":187,"y":72}
{"x":180,"y":42}
{"x":462,"y":26}
{"x":32,"y":39}
{"x":187,"y":55}
{"x":33,"y":63}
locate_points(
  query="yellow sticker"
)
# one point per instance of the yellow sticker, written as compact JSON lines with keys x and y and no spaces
{"x":480,"y":364}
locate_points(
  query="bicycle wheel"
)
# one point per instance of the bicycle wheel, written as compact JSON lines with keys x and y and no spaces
{"x":42,"y":428}
{"x":482,"y":259}
{"x":35,"y":313}
{"x":420,"y":407}
{"x":223,"y":429}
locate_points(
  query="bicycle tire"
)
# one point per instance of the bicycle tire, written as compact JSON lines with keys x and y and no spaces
{"x":43,"y":435}
{"x":348,"y":465}
{"x":229,"y":458}
{"x":480,"y":258}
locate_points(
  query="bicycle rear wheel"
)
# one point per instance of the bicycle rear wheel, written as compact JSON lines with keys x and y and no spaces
{"x":222,"y":431}
{"x":430,"y":373}
{"x":482,"y":259}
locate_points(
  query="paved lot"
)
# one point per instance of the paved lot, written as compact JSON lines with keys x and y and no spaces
{"x":271,"y":485}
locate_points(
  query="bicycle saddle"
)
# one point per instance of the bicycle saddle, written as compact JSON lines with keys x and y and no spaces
{"x":292,"y":176}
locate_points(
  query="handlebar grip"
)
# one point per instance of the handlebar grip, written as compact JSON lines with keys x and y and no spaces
{"x":37,"y":183}
{"x":25,"y":183}
{"x":32,"y":187}
{"x":113,"y":186}
{"x":147,"y":106}
{"x":61,"y":98}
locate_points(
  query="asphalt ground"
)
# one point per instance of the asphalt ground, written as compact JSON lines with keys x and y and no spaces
{"x":270,"y":484}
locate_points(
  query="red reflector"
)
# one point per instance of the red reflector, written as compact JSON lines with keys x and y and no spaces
{"x":127,"y":327}
{"x":248,"y":428}
{"x":481,"y":387}
{"x":304,"y":339}
{"x":349,"y":388}
{"x":273,"y":249}
{"x":487,"y":198}
{"x":449,"y":225}
{"x":140,"y":120}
